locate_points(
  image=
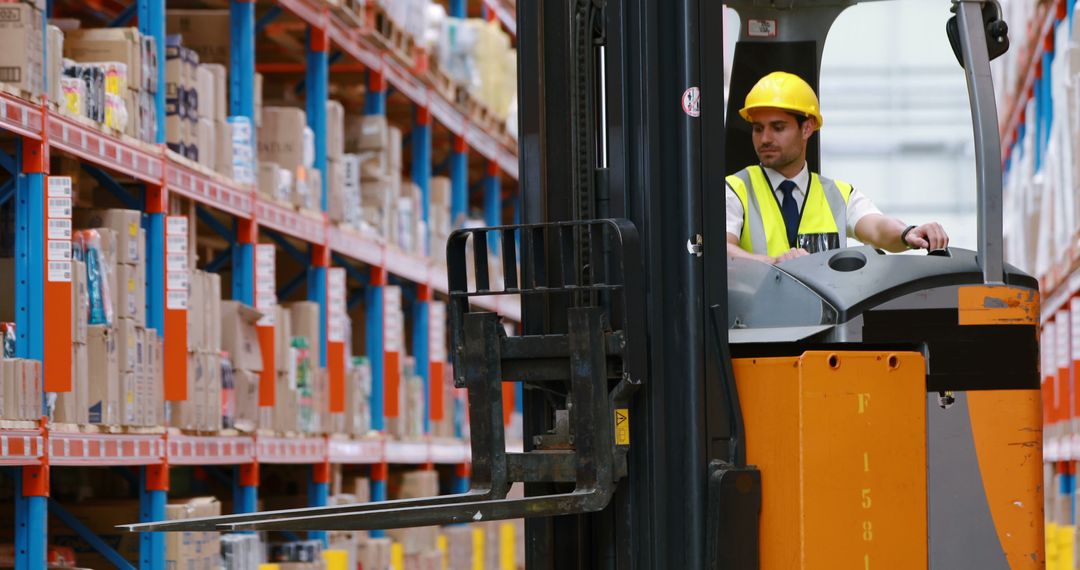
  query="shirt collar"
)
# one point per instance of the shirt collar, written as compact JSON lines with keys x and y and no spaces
{"x":802,"y":179}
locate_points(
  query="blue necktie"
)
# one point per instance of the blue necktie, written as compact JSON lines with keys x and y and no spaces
{"x":791,"y":212}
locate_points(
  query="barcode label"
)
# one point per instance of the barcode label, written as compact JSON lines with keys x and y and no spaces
{"x":59,"y":208}
{"x":176,"y":244}
{"x":1074,"y":307}
{"x":176,"y":226}
{"x":264,"y":286}
{"x":59,"y":187}
{"x":336,"y":332}
{"x":59,"y":250}
{"x":59,"y":229}
{"x":264,"y":252}
{"x":176,"y":280}
{"x":264,"y":268}
{"x":176,"y":262}
{"x":60,"y":271}
{"x":176,"y":300}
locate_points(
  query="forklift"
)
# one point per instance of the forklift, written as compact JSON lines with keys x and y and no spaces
{"x":682,"y":410}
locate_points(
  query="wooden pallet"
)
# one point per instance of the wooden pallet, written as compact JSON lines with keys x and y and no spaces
{"x":481,"y":115}
{"x":392,"y":37}
{"x":442,"y":82}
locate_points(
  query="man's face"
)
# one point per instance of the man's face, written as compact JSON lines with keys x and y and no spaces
{"x":778,"y":139}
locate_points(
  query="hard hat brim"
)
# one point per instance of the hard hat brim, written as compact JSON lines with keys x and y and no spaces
{"x":745,"y":113}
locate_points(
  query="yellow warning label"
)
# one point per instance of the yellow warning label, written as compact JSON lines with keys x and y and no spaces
{"x":622,"y":426}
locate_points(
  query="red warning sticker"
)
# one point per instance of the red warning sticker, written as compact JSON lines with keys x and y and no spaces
{"x":691,"y":102}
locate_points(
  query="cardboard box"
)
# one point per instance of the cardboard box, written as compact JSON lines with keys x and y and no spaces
{"x":283,"y":333}
{"x":126,"y":224}
{"x":21,"y":58}
{"x":190,"y":414}
{"x":123,"y":45}
{"x":54,"y":63}
{"x":80,"y":302}
{"x":129,"y":296}
{"x":239,"y":335}
{"x":305,"y":322}
{"x":393,"y":148}
{"x":275,"y":182}
{"x":213,"y":312}
{"x":246,"y":388}
{"x":207,"y":32}
{"x":197,"y":318}
{"x":103,"y":390}
{"x":205,"y":139}
{"x":335,"y":129}
{"x":366,"y":133}
{"x":213,"y":419}
{"x":375,"y":553}
{"x":155,"y":412}
{"x":281,"y":137}
{"x":223,"y":148}
{"x":128,"y":344}
{"x":71,"y":406}
{"x":335,"y":189}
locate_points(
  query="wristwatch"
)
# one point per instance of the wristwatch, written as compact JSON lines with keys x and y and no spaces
{"x":903,"y":237}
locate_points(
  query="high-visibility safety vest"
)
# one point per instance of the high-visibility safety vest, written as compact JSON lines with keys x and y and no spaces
{"x":764,"y":232}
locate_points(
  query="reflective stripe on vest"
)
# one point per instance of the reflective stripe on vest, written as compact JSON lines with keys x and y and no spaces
{"x":764,"y":231}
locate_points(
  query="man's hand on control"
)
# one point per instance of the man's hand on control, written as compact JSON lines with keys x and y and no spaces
{"x":790,"y":254}
{"x":928,"y":236}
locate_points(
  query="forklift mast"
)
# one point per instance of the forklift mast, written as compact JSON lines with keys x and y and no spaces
{"x":638,"y":338}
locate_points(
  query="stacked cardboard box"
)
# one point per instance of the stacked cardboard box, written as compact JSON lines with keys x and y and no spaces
{"x":285,"y":139}
{"x":369,"y":139}
{"x":478,"y":55}
{"x":358,"y":397}
{"x":126,"y":61}
{"x":137,"y":381}
{"x":202,"y":411}
{"x":207,"y":32}
{"x":374,"y":553}
{"x":21,"y":382}
{"x":240,"y":342}
{"x":181,"y":98}
{"x":241,"y":551}
{"x":70,"y":407}
{"x":439,"y":225}
{"x":22,"y":61}
{"x":189,"y":549}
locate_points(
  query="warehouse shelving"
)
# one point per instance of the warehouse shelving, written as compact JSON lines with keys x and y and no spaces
{"x":40,"y":130}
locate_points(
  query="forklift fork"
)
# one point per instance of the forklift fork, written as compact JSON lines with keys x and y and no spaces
{"x":601,"y":368}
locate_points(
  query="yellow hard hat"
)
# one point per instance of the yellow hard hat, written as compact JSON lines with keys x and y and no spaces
{"x":782,"y":90}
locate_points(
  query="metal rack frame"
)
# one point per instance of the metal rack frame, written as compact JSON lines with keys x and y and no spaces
{"x":43,"y":309}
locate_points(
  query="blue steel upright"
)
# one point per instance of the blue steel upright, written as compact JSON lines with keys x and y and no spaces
{"x":317,"y":80}
{"x":242,"y":104}
{"x":421,"y":350}
{"x":421,"y":166}
{"x":493,"y":204}
{"x":152,"y":24}
{"x":375,"y":94}
{"x":31,"y":501}
{"x":459,"y":182}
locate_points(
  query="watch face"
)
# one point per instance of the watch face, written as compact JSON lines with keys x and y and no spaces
{"x":817,"y":243}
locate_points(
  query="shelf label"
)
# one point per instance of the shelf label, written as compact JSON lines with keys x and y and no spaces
{"x":59,"y":250}
{"x":176,"y":244}
{"x":60,"y":271}
{"x":176,"y":280}
{"x":263,"y":285}
{"x":1074,"y":309}
{"x":59,"y":229}
{"x":176,"y":226}
{"x":59,"y":187}
{"x":176,"y":262}
{"x":761,"y":28}
{"x":176,"y":300}
{"x":59,"y":208}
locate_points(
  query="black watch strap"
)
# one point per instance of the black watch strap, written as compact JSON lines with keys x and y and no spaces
{"x":903,"y":237}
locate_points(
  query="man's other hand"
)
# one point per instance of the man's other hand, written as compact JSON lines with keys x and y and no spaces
{"x":928,"y":236}
{"x":793,"y":253}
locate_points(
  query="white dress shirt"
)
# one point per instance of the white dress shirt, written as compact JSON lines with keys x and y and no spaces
{"x":858,"y":204}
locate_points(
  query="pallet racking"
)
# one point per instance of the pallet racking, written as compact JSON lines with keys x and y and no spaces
{"x":37,"y":132}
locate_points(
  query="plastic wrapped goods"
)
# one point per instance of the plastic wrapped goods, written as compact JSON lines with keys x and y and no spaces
{"x":97,"y":273}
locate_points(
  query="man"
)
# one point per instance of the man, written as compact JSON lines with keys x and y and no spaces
{"x":771,"y":204}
